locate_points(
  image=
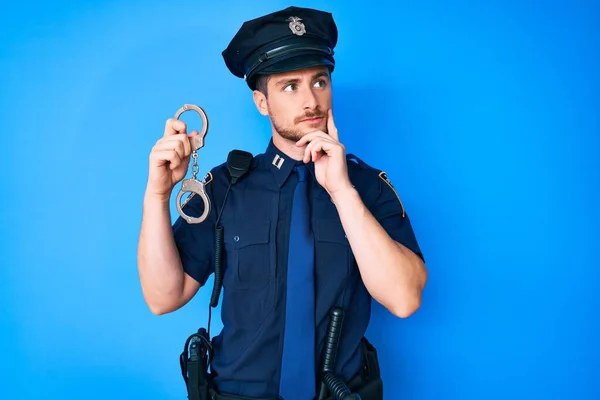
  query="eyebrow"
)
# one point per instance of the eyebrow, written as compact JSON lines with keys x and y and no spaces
{"x":319,"y":75}
{"x":285,"y":82}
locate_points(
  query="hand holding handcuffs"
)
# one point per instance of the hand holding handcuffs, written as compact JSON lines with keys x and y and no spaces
{"x":192,"y":185}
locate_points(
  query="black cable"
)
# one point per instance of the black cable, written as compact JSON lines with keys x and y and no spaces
{"x":238,"y":163}
{"x":338,"y":388}
{"x":218,"y":281}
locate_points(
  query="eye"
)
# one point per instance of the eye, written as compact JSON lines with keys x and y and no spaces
{"x":290,"y":87}
{"x":320,"y":83}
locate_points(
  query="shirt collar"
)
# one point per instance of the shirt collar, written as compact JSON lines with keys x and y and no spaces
{"x":281,"y":165}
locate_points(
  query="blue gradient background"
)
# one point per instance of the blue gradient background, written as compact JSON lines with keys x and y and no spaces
{"x":485,"y":116}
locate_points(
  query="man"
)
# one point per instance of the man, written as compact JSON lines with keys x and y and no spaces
{"x":285,"y":268}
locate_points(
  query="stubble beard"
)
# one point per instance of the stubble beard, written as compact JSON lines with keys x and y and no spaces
{"x":291,"y":134}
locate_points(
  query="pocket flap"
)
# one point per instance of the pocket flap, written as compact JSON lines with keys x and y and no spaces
{"x":248,"y":233}
{"x":330,"y":230}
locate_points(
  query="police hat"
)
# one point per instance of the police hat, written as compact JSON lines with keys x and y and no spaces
{"x":282,"y":41}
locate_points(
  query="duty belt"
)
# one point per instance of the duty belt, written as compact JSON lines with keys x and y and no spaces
{"x":366,"y":385}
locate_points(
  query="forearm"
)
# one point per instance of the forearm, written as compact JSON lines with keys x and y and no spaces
{"x":159,"y":265}
{"x":392,"y":274}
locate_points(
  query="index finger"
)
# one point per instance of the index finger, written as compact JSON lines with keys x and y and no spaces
{"x":331,"y":129}
{"x":174,"y":127}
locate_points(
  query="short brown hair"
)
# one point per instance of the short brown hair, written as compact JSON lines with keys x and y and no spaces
{"x":260,"y":83}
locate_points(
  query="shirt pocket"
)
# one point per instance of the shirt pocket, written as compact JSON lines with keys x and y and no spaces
{"x":249,"y":288}
{"x":247,"y":248}
{"x":333,"y":249}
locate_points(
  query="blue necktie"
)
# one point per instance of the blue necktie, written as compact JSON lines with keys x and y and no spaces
{"x":298,"y":363}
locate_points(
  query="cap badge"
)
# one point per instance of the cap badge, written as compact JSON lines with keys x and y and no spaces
{"x":296,"y":26}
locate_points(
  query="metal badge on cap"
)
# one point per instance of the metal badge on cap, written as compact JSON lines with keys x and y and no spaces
{"x":192,"y":185}
{"x":296,"y":26}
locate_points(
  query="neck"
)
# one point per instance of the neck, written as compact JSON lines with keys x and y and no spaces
{"x":288,"y":147}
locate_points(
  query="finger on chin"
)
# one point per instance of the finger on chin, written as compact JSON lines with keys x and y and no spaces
{"x":306,"y":155}
{"x":302,"y":141}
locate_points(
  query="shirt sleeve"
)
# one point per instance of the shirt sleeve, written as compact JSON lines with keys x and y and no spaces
{"x":390,"y":213}
{"x":196,"y":242}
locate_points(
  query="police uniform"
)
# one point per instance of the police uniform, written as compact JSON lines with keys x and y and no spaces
{"x":255,"y":216}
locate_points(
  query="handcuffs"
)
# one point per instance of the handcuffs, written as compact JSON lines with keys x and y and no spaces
{"x":192,"y":185}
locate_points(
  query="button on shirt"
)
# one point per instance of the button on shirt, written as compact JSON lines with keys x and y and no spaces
{"x":256,"y":223}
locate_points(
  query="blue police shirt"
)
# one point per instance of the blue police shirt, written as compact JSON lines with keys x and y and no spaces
{"x":256,"y":223}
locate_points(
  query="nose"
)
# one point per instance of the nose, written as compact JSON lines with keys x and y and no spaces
{"x":310,"y":100}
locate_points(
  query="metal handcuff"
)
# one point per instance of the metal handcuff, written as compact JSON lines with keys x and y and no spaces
{"x":192,"y":185}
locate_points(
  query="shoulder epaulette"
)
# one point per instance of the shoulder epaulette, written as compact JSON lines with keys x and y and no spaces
{"x":381,"y":174}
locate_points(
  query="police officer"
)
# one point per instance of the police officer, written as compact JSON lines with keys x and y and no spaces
{"x":307,"y":229}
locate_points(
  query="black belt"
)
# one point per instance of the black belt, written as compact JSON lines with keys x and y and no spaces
{"x":224,"y":396}
{"x":367,"y":383}
{"x":367,"y":390}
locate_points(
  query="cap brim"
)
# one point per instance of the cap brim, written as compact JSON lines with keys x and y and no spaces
{"x":295,"y":63}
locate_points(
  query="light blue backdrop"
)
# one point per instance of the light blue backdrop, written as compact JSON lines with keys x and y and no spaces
{"x":485,"y":116}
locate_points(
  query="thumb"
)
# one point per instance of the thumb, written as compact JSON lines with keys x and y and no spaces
{"x":190,"y":143}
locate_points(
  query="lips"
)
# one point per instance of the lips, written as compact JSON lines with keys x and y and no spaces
{"x":314,"y":119}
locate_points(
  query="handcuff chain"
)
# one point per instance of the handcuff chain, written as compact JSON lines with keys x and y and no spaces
{"x":195,"y":167}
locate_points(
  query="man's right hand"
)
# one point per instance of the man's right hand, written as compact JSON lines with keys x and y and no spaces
{"x":169,"y":159}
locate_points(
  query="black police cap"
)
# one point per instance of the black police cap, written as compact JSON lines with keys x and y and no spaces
{"x":282,"y":41}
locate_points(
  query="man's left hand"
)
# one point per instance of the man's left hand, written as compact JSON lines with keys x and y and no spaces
{"x":329,"y":157}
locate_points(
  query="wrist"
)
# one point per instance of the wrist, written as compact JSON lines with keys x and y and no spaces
{"x":344,"y":194}
{"x":152,"y":198}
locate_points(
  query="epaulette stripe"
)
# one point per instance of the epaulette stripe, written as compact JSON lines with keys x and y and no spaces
{"x":383,"y":177}
{"x":209,"y":180}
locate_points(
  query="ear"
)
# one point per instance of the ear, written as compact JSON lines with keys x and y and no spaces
{"x":261,"y":102}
